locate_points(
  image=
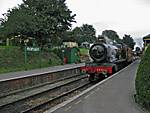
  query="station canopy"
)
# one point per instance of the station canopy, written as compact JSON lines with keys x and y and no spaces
{"x":146,"y":39}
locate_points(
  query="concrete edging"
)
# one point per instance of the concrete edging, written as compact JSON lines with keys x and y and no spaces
{"x":41,"y":73}
{"x":19,"y":83}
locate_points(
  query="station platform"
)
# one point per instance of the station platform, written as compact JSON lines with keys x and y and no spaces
{"x":21,"y":74}
{"x":115,"y":95}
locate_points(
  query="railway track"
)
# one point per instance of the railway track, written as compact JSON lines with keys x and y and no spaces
{"x":43,"y":97}
{"x":58,"y":99}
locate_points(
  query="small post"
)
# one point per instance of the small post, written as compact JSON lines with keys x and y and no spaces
{"x":25,"y":56}
{"x":25,"y":53}
{"x":63,"y":56}
{"x":40,"y":50}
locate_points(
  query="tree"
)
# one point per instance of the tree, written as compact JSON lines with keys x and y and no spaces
{"x":128,"y":40}
{"x":68,"y":36}
{"x":112,"y":35}
{"x":18,"y":23}
{"x":85,"y":33}
{"x":44,"y":20}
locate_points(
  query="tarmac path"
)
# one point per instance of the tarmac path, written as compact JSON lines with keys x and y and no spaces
{"x":113,"y":96}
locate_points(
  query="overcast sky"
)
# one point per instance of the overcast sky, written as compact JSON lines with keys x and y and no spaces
{"x":124,"y":16}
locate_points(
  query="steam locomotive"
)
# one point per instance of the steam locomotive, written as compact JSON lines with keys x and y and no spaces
{"x":107,"y":58}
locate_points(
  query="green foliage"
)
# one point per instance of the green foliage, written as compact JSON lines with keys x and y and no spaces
{"x":112,"y":35}
{"x":128,"y":40}
{"x":68,"y":36}
{"x":58,"y":52}
{"x":84,"y":54}
{"x":84,"y":51}
{"x":85,"y":33}
{"x":12,"y":59}
{"x":142,"y":82}
{"x":44,"y":20}
{"x":19,"y":22}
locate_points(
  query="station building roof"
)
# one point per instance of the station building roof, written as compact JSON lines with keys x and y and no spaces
{"x":146,"y":39}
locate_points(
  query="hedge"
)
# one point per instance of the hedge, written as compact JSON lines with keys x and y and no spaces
{"x":142,"y":82}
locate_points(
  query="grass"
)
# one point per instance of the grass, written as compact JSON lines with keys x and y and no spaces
{"x":84,"y":51}
{"x":12,"y":59}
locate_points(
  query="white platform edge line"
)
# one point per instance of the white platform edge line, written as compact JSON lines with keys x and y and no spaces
{"x":84,"y":92}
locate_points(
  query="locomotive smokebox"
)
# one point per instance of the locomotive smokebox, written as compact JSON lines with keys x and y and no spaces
{"x":98,"y":52}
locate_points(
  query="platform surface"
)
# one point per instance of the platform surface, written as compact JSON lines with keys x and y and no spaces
{"x":113,"y":96}
{"x":21,"y":74}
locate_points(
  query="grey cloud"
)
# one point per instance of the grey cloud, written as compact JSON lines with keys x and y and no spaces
{"x":145,"y":2}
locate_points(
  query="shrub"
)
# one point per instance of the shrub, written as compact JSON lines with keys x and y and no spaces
{"x":142,"y":82}
{"x":58,"y":52}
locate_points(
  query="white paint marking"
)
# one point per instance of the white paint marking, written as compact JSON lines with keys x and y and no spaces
{"x":89,"y":95}
{"x":78,"y":102}
{"x":92,"y":92}
{"x":86,"y":96}
{"x":86,"y":91}
{"x":68,"y":108}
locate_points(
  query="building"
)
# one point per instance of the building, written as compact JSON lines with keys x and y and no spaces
{"x":146,"y":41}
{"x":70,"y":44}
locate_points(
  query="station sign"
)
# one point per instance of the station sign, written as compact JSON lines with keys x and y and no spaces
{"x":33,"y":49}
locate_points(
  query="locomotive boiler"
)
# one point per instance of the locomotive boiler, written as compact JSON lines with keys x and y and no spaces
{"x":107,"y":58}
{"x":101,"y":52}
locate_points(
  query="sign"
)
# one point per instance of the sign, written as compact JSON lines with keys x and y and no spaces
{"x":33,"y":49}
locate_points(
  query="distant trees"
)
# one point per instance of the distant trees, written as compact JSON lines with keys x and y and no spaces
{"x":128,"y":40}
{"x":68,"y":36}
{"x":85,"y":33}
{"x":44,"y":20}
{"x":112,"y":35}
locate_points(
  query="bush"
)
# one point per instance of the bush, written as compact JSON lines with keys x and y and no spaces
{"x":58,"y":52}
{"x":142,"y":82}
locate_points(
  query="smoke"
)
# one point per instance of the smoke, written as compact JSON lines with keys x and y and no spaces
{"x":139,"y":42}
